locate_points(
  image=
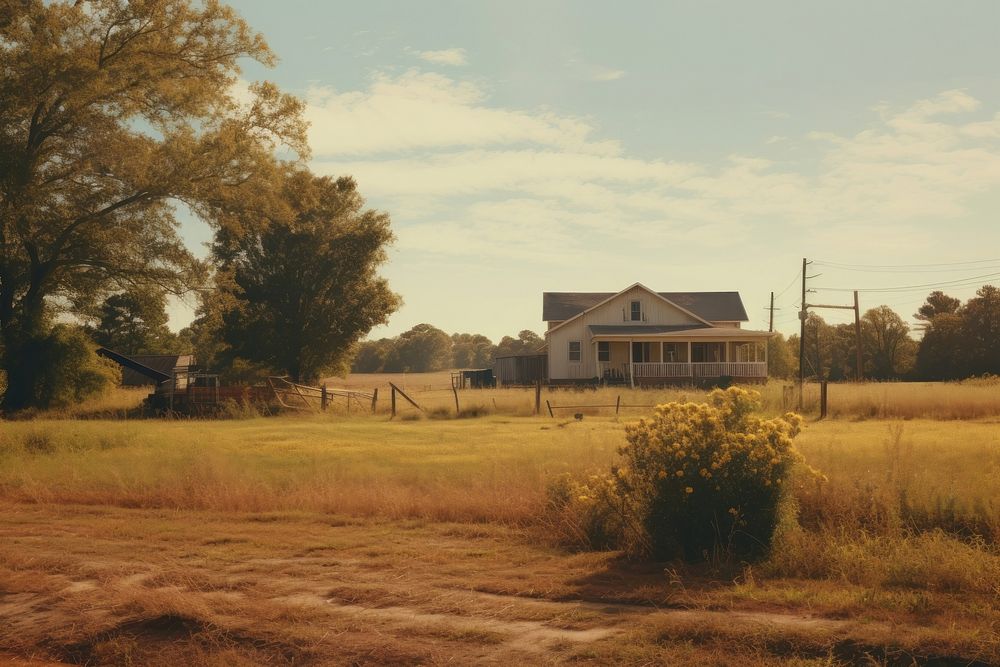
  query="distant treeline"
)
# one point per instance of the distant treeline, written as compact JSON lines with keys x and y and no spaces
{"x":958,"y":341}
{"x":426,"y":348}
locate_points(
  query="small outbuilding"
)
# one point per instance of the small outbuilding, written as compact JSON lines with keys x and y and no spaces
{"x":144,"y":370}
{"x":521,"y":369}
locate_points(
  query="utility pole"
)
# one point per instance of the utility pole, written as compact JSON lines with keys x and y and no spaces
{"x":802,"y":335}
{"x":857,"y":335}
{"x":770,"y":323}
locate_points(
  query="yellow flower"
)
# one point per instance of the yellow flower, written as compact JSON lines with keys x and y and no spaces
{"x":679,"y":473}
{"x":688,"y":489}
{"x":662,"y":474}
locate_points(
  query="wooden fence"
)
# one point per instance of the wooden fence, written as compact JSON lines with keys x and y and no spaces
{"x":303,"y":397}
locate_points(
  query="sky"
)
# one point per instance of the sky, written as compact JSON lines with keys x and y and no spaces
{"x":524,"y":147}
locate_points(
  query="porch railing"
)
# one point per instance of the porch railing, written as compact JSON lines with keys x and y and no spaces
{"x":711,"y":369}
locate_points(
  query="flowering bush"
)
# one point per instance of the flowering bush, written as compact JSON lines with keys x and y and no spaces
{"x":705,"y":480}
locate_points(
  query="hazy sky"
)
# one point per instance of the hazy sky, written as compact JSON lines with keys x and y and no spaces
{"x":523,"y":147}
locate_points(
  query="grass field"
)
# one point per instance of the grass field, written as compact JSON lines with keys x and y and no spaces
{"x":973,"y":399}
{"x":329,"y":540}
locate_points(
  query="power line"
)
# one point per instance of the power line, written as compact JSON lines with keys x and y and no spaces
{"x":904,"y":266}
{"x":782,"y":292}
{"x":958,"y":282}
{"x":951,"y":270}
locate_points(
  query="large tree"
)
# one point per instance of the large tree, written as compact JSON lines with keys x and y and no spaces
{"x":471,"y":351}
{"x":943,"y":353}
{"x":305,"y":285}
{"x":135,"y":322}
{"x":421,"y":349}
{"x":981,"y":319}
{"x":110,"y":113}
{"x":527,"y":342}
{"x":937,"y":303}
{"x":889,"y":352}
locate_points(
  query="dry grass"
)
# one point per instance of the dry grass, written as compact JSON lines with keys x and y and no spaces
{"x":470,"y":470}
{"x":116,"y":586}
{"x":239,"y":531}
{"x":968,"y":400}
{"x":889,"y":400}
{"x":887,"y":483}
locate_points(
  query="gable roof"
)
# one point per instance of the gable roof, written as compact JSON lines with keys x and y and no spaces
{"x":711,"y":306}
{"x":613,"y":296}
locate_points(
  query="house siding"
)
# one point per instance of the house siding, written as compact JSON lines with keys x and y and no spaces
{"x":615,"y":311}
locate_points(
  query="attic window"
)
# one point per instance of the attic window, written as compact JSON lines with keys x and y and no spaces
{"x":636,"y":309}
{"x":574,"y":350}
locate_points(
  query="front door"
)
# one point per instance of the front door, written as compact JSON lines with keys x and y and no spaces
{"x":642,"y":352}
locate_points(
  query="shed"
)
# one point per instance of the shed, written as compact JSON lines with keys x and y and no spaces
{"x":523,"y":369}
{"x":142,"y":370}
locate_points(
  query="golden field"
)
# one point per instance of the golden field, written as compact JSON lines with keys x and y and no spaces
{"x":333,"y":539}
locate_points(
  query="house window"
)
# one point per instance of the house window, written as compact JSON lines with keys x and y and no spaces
{"x":636,"y":309}
{"x":603,"y":351}
{"x":574,"y":350}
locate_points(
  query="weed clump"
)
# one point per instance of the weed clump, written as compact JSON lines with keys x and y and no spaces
{"x":696,"y":481}
{"x":39,"y":443}
{"x":706,"y":479}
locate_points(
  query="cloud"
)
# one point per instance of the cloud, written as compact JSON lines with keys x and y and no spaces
{"x":427,"y":111}
{"x":458,"y":172}
{"x":601,"y":73}
{"x":455,"y":57}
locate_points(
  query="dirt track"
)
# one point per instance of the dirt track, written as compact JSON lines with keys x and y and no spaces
{"x":105,"y":586}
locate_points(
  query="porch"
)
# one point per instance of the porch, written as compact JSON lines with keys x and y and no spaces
{"x":647,"y":361}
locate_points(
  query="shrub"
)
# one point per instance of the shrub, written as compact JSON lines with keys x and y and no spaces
{"x":706,"y":480}
{"x":585,"y":515}
{"x":70,"y":370}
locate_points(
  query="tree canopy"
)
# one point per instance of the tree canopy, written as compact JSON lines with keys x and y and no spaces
{"x":111,"y":114}
{"x":305,"y":287}
{"x":423,"y":348}
{"x":961,"y":339}
{"x":135,"y":322}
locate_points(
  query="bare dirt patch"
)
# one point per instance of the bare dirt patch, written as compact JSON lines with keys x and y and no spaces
{"x":158,"y":587}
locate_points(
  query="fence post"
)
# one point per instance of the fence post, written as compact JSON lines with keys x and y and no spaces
{"x":538,"y":397}
{"x":549,"y":406}
{"x":374,"y":399}
{"x":324,"y":397}
{"x":822,"y":399}
{"x":618,"y":403}
{"x":393,"y":400}
{"x":455,"y":391}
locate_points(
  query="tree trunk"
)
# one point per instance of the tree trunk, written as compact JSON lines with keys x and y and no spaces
{"x":22,"y":360}
{"x":22,"y":377}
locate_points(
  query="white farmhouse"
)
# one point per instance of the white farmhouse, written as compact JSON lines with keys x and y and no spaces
{"x":644,"y":337}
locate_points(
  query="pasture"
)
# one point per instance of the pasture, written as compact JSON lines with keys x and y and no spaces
{"x":335,"y":538}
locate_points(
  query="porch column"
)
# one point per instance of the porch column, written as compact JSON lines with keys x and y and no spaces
{"x":597,"y":361}
{"x":631,"y":366}
{"x":690,"y":360}
{"x":663,"y":359}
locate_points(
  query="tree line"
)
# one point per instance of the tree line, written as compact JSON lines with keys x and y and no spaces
{"x":957,"y":340}
{"x":426,"y":348}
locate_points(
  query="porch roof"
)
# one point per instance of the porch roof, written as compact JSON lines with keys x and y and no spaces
{"x":683,"y":331}
{"x":641,"y":329}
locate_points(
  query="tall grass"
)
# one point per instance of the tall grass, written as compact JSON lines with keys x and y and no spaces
{"x":474,"y":470}
{"x":904,"y":500}
{"x":874,"y":400}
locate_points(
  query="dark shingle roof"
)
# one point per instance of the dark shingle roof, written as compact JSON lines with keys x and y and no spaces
{"x":711,"y":306}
